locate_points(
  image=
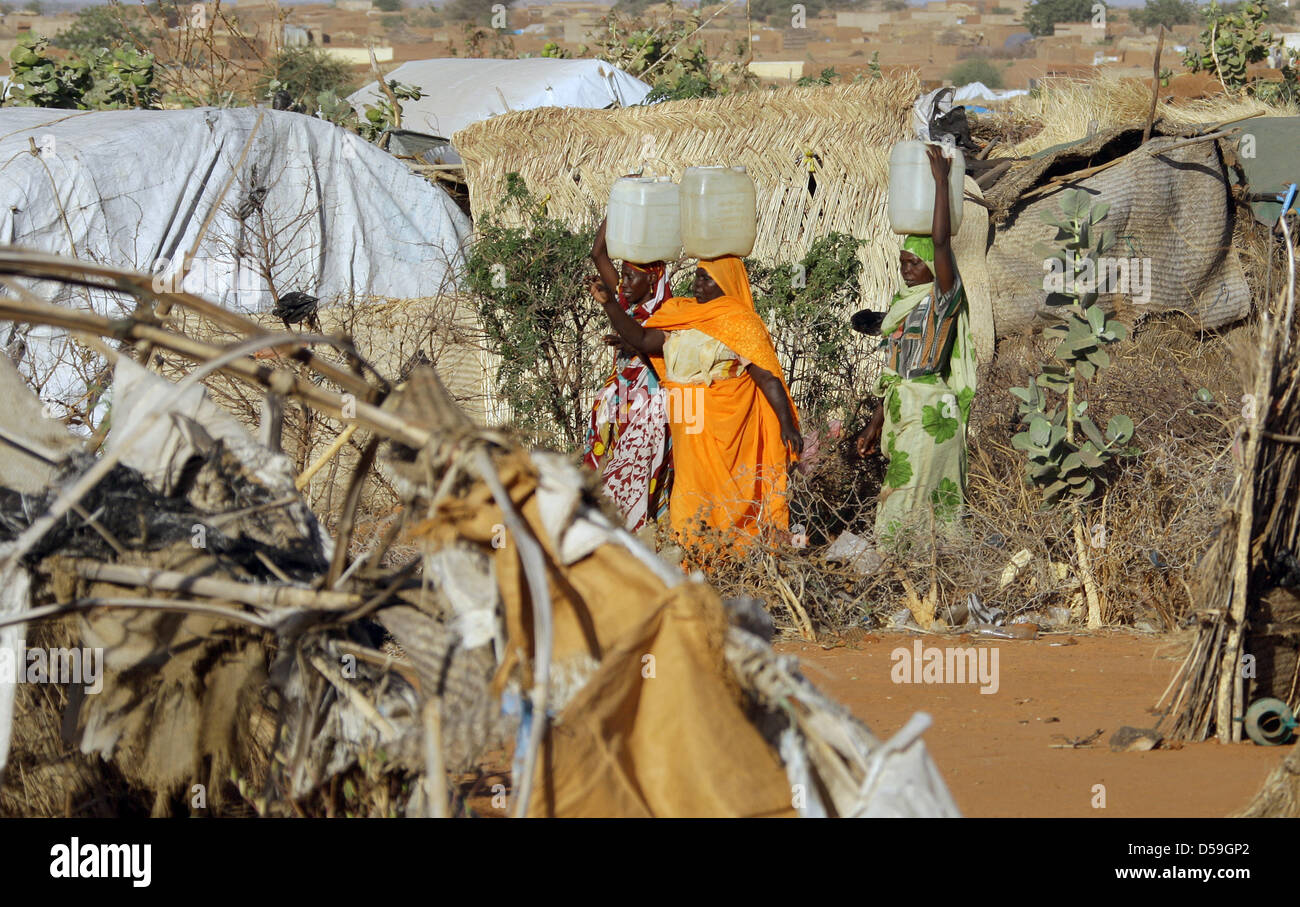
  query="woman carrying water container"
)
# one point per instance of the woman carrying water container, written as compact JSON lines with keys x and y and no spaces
{"x":628,"y":442}
{"x":733,"y":424}
{"x":928,"y":380}
{"x":734,"y":427}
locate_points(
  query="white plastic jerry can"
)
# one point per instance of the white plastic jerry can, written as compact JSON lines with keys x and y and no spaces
{"x":644,"y":220}
{"x":719,"y":212}
{"x":911,"y":188}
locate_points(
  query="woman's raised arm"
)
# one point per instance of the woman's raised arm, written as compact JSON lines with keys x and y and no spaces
{"x":647,"y":341}
{"x":945,"y":274}
{"x":604,"y":264}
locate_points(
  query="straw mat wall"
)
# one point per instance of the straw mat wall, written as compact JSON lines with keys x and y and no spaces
{"x":571,"y":158}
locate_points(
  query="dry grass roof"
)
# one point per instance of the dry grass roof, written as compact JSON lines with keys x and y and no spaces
{"x":571,"y":158}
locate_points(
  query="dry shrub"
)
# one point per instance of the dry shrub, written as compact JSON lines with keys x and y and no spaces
{"x":1061,"y":110}
{"x":46,"y":776}
{"x":1160,"y":509}
{"x":1161,"y":505}
{"x":391,"y":335}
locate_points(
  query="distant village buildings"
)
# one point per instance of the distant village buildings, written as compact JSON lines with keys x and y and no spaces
{"x":932,"y":38}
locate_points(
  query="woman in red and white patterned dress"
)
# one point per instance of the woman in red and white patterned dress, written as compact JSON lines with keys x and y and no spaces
{"x":628,"y":441}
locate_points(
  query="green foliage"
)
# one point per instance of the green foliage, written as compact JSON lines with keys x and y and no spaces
{"x":1234,"y":37}
{"x":976,"y":69}
{"x":1287,"y":91}
{"x":665,"y":53}
{"x":803,"y":304}
{"x":1041,"y":16}
{"x":529,"y":283}
{"x":554,"y":51}
{"x":828,"y":77}
{"x":1229,"y":42}
{"x":1278,"y":11}
{"x":1164,"y":12}
{"x":388,"y":6}
{"x":101,"y":26}
{"x":681,"y":86}
{"x":304,"y":72}
{"x":337,"y":110}
{"x":379,"y":117}
{"x":478,"y":12}
{"x":121,"y":79}
{"x":1062,"y":467}
{"x":528,"y":280}
{"x":103,"y":79}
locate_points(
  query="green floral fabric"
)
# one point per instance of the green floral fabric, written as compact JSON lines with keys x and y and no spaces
{"x":924,"y":437}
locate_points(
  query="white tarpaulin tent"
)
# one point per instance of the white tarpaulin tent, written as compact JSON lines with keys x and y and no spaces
{"x":978,"y":91}
{"x":458,"y":92}
{"x":309,"y":207}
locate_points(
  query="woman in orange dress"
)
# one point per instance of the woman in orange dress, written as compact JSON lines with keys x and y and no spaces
{"x":735,"y":430}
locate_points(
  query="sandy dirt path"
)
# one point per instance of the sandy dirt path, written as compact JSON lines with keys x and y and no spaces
{"x":996,"y":750}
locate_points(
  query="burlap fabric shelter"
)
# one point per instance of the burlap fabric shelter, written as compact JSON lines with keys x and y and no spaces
{"x":1172,"y":209}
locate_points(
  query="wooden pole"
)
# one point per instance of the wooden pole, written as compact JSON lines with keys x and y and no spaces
{"x":1155,"y":86}
{"x":1228,"y":697}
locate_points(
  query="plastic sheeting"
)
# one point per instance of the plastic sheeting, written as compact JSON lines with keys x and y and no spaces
{"x":310,"y":207}
{"x":460,"y":92}
{"x":978,"y":91}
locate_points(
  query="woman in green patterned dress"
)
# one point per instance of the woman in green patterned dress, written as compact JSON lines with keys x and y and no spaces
{"x":927,"y":383}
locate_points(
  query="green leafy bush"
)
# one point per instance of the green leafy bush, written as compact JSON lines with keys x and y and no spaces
{"x":1230,"y":42}
{"x":1041,"y":16}
{"x":828,"y":76}
{"x":1064,"y":468}
{"x":304,"y":72}
{"x":529,"y":283}
{"x":806,"y":306}
{"x":103,"y":79}
{"x":665,"y":51}
{"x":1165,"y":12}
{"x":102,"y":26}
{"x":976,"y":69}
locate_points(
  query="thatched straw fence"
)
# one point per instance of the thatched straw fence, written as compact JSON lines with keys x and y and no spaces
{"x":571,"y":158}
{"x":1071,"y":109}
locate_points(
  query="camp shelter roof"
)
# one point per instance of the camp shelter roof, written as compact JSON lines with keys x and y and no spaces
{"x":266,"y":202}
{"x":1073,"y":157}
{"x":458,"y":92}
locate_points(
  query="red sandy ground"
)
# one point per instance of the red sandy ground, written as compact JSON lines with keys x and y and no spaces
{"x":995,"y":751}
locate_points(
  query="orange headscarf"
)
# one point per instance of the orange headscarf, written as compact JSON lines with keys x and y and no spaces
{"x":730,"y":319}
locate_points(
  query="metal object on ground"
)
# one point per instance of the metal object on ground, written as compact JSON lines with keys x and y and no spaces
{"x":1269,"y":722}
